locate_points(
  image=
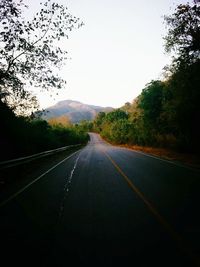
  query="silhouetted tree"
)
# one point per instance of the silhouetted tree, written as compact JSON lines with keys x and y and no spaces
{"x":183,"y":35}
{"x":29,"y":49}
{"x":182,"y":108}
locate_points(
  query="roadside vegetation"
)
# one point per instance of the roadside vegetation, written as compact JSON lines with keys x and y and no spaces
{"x":31,"y":55}
{"x":166,"y":114}
{"x":21,"y":136}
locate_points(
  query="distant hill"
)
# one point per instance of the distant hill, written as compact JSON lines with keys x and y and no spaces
{"x":74,"y":110}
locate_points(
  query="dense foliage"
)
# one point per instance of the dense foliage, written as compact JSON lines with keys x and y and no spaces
{"x":166,"y":113}
{"x":184,"y":33}
{"x":31,"y":54}
{"x":21,"y":136}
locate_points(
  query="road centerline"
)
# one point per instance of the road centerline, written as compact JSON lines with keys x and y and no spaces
{"x":66,"y":187}
{"x":175,"y":236}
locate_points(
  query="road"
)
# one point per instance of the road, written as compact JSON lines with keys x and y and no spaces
{"x":104,"y":206}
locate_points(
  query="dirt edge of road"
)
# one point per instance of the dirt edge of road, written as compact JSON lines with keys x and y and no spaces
{"x":190,"y":160}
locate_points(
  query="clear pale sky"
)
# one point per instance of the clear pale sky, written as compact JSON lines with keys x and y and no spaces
{"x":117,"y":51}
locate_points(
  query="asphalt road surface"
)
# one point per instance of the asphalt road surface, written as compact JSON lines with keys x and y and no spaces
{"x":103,"y":206}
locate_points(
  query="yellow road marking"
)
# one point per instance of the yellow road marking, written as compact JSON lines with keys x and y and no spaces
{"x":180,"y":242}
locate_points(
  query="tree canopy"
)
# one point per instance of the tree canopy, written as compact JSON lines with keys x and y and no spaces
{"x":183,"y":35}
{"x":166,"y":113}
{"x":30,"y":50}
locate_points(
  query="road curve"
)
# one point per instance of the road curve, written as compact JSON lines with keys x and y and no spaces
{"x":105,"y":206}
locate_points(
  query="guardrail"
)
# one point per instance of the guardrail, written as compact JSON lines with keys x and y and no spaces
{"x":22,"y":160}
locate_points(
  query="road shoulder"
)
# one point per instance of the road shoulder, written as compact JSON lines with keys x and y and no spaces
{"x":190,"y":160}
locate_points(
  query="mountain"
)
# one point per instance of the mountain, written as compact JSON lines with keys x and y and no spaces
{"x":74,"y":110}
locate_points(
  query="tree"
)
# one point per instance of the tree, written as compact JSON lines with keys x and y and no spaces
{"x":99,"y":121}
{"x":151,"y":103}
{"x":115,"y":115}
{"x":184,"y":33}
{"x":120,"y":131}
{"x":181,"y":110}
{"x":30,"y":50}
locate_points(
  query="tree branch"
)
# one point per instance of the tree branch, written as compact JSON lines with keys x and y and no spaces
{"x":33,"y":44}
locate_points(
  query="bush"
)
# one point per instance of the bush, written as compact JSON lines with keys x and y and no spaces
{"x":22,"y":136}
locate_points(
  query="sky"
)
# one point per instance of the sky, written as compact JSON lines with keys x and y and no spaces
{"x":116,"y":53}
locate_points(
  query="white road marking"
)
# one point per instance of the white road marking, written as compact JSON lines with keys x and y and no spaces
{"x":66,"y":187}
{"x":35,"y":180}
